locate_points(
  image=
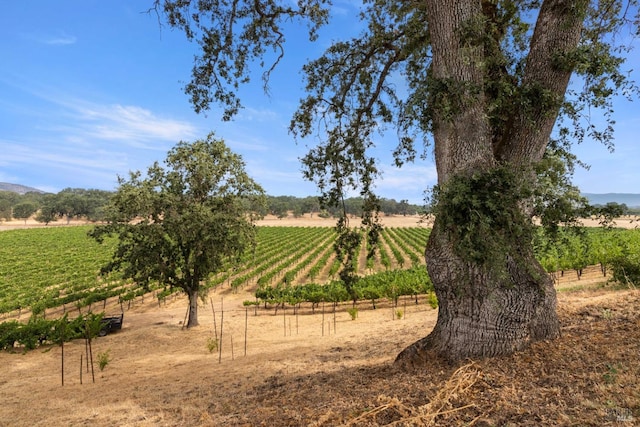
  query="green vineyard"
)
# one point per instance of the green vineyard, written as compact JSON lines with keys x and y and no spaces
{"x":59,"y":267}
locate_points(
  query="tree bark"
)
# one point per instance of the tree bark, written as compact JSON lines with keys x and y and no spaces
{"x":193,"y":308}
{"x":482,"y":313}
{"x":500,"y":305}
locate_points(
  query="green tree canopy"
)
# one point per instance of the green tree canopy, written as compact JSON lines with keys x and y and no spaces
{"x":185,"y":221}
{"x":24,"y":210}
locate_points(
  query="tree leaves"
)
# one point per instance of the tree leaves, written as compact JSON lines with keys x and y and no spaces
{"x":179,"y":224}
{"x":235,"y":35}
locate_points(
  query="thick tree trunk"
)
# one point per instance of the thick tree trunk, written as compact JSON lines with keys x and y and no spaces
{"x":503,"y":303}
{"x":481,"y":312}
{"x":193,"y":308}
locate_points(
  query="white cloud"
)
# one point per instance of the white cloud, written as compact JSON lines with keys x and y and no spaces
{"x":17,"y":153}
{"x":76,"y":119}
{"x":406,"y":183}
{"x":246,"y":143}
{"x":258,"y":115}
{"x":62,"y":40}
{"x":130,"y":124}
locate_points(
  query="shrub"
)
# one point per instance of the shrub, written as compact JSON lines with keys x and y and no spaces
{"x":212,"y":344}
{"x":432,"y":299}
{"x":103,"y":359}
{"x":9,"y":334}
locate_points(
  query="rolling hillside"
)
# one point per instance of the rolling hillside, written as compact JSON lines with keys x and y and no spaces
{"x":17,"y":188}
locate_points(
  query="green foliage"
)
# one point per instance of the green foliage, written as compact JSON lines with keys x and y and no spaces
{"x":92,"y":325}
{"x":104,"y":358}
{"x":556,"y":201}
{"x":388,"y":284}
{"x":71,"y":203}
{"x":9,"y":334}
{"x":212,"y":344}
{"x":612,"y":372}
{"x":34,"y":331}
{"x":483,"y":214}
{"x":49,"y":267}
{"x":627,"y":271}
{"x":573,"y":249}
{"x":52,"y":266}
{"x":24,"y":210}
{"x":235,"y":36}
{"x":38,"y":331}
{"x":626,"y":268}
{"x":182,"y":223}
{"x":47,"y":214}
{"x":7,"y":200}
{"x":353,"y":312}
{"x":432,"y":299}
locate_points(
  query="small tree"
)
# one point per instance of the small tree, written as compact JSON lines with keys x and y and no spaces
{"x":181,"y":224}
{"x":24,"y":211}
{"x":48,"y":211}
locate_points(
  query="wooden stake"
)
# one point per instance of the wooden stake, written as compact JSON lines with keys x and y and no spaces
{"x":93,"y":376}
{"x":246,"y":323}
{"x":62,"y":359}
{"x":86,"y":350}
{"x":81,"y":368}
{"x":220,"y":346}
{"x":334,"y":320}
{"x":184,"y":322}
{"x":215,"y":327}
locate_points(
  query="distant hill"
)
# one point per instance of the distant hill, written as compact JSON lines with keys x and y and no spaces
{"x":629,"y":199}
{"x":17,"y":188}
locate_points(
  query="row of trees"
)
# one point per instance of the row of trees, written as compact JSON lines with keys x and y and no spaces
{"x":68,"y":204}
{"x":282,"y":206}
{"x":78,"y":203}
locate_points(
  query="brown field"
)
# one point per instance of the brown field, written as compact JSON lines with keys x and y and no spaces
{"x":313,"y":221}
{"x":324,"y":369}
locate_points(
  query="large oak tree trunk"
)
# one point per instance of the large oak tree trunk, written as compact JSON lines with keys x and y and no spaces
{"x":503,"y":303}
{"x":482,"y":313}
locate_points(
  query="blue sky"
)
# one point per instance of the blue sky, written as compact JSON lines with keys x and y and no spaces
{"x":93,"y":89}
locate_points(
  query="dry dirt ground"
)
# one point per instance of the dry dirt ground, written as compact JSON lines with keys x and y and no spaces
{"x":324,"y":369}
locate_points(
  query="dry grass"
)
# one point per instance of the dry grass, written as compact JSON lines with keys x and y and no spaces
{"x":313,"y":374}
